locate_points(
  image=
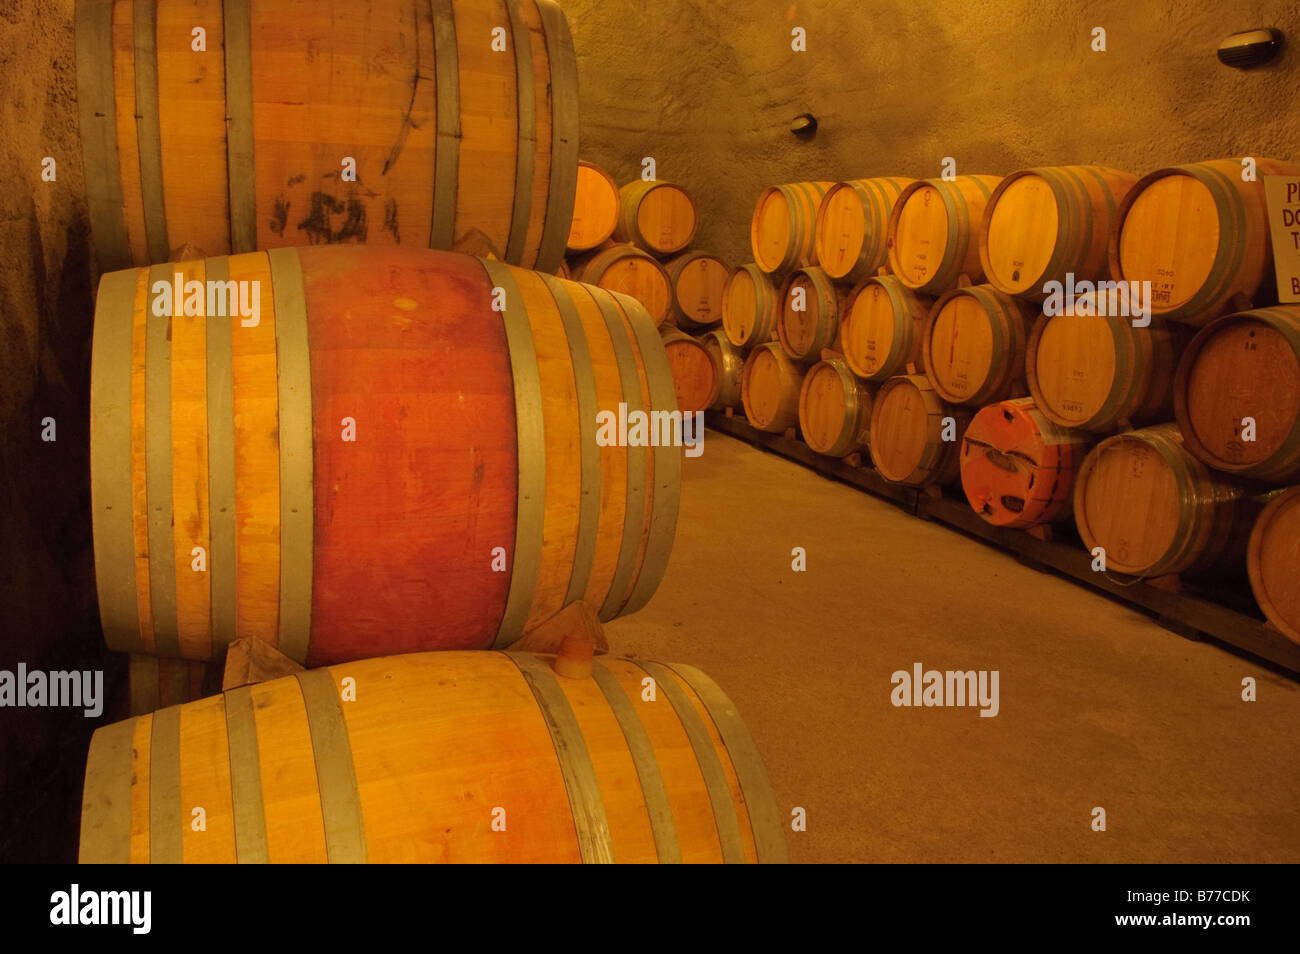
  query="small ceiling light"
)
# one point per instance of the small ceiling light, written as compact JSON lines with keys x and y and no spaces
{"x":1252,"y":48}
{"x":804,"y":125}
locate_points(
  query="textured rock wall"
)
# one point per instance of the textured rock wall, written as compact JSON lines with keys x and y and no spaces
{"x":47,"y":612}
{"x":709,"y":90}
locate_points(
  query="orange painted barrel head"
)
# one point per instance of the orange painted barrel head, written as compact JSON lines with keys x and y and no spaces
{"x":1016,"y":466}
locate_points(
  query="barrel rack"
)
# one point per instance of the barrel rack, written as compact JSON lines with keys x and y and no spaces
{"x":1189,"y":613}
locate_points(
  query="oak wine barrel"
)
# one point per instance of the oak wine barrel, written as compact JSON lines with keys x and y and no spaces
{"x":1017,"y":467}
{"x":630,"y":271}
{"x":154,"y":682}
{"x":933,"y":232}
{"x":456,"y":757}
{"x":656,"y":216}
{"x":695,"y":379}
{"x":1099,"y":372}
{"x":852,"y":225}
{"x":1157,"y":510}
{"x":881,"y":328}
{"x":835,"y":409}
{"x":783,"y":229}
{"x":728,"y":365}
{"x":750,"y":306}
{"x":1041,"y":224}
{"x":809,"y":319}
{"x":1199,"y":234}
{"x":1238,"y":369}
{"x":382,"y":447}
{"x":973,"y":345}
{"x":386,"y":123}
{"x":596,"y":204}
{"x":564,"y":271}
{"x":909,"y":422}
{"x":769,"y":388}
{"x":1273,"y":562}
{"x":697,"y":281}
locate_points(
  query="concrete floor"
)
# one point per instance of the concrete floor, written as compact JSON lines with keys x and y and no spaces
{"x":1099,"y":705}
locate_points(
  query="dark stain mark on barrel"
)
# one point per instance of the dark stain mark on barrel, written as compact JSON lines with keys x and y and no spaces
{"x":279,"y":214}
{"x":300,"y":177}
{"x":390,"y":219}
{"x":407,"y":123}
{"x":319,"y":223}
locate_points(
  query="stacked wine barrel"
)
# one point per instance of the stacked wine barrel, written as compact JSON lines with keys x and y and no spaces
{"x":338,"y":442}
{"x":998,"y":329}
{"x":635,"y":240}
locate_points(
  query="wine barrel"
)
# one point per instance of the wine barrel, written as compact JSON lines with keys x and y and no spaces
{"x":630,"y":271}
{"x":1157,"y":510}
{"x":656,"y":216}
{"x":973,"y":345}
{"x":728,"y":366}
{"x":1198,"y":234}
{"x":835,"y":409}
{"x":1244,"y":366}
{"x":1273,"y":562}
{"x":933,"y":228}
{"x":380,"y":448}
{"x":783,"y":228}
{"x":454,"y":757}
{"x":695,"y":379}
{"x":306,"y":124}
{"x":909,"y":422}
{"x":697,"y":281}
{"x":1098,"y":372}
{"x":881,"y":330}
{"x":154,"y":682}
{"x":1017,"y":467}
{"x":852,"y":224}
{"x":809,"y":319}
{"x":769,"y":388}
{"x":750,"y":306}
{"x":564,"y":271}
{"x":595,"y":209}
{"x":1041,"y":224}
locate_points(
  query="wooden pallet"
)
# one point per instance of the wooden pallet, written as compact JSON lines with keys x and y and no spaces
{"x":1187,"y":614}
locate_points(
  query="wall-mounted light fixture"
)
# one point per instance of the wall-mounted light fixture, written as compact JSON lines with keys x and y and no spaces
{"x":1251,"y":48}
{"x":804,"y":125}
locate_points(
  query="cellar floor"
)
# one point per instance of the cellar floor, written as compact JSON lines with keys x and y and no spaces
{"x":1098,"y":705}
